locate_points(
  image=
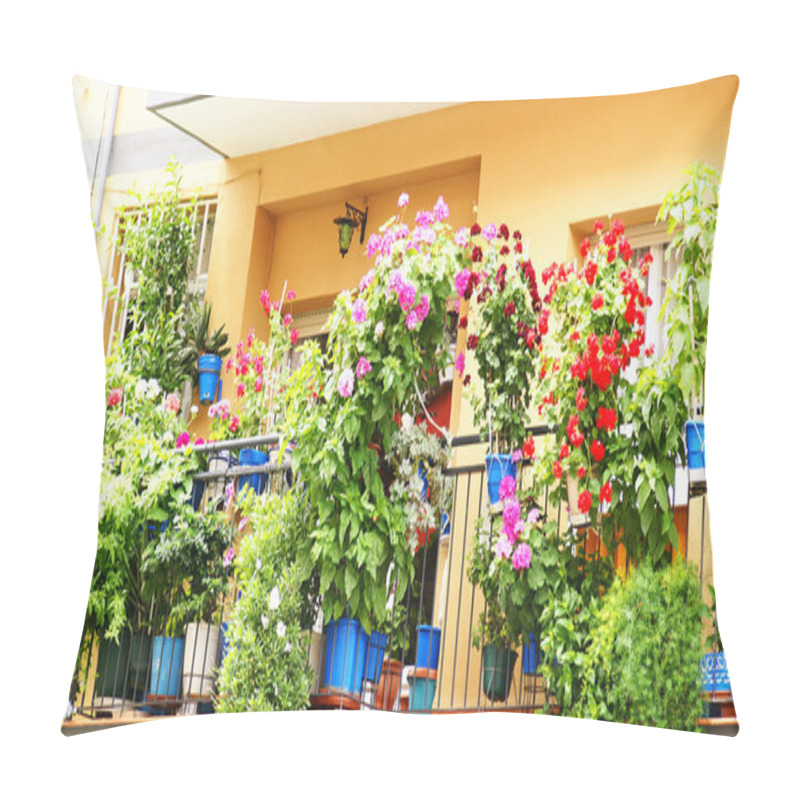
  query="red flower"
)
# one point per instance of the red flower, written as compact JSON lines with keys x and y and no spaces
{"x":581,"y":471}
{"x":580,"y":399}
{"x":598,"y":450}
{"x":518,"y":247}
{"x":612,"y":254}
{"x":477,"y":254}
{"x":529,"y":448}
{"x":597,"y":302}
{"x":462,"y":323}
{"x":585,"y":245}
{"x":573,"y":432}
{"x":557,"y":470}
{"x":510,"y":309}
{"x":530,"y":337}
{"x":475,"y":230}
{"x":504,"y":231}
{"x":605,"y":493}
{"x":584,"y":502}
{"x":472,"y":341}
{"x":598,"y":225}
{"x":590,"y":272}
{"x":543,"y":317}
{"x":294,"y":335}
{"x":564,"y":451}
{"x":114,"y":397}
{"x":575,"y":336}
{"x":517,"y":235}
{"x":467,"y":380}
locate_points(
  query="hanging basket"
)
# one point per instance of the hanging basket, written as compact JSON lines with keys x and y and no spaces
{"x":695,"y":432}
{"x":498,"y":670}
{"x":498,"y":466}
{"x":209,"y":368}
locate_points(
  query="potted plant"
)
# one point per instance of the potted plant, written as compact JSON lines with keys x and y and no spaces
{"x":206,"y":348}
{"x":714,"y":667}
{"x":691,"y":216}
{"x":504,"y":334}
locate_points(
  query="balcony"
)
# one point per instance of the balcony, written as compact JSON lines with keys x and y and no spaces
{"x":153,"y":675}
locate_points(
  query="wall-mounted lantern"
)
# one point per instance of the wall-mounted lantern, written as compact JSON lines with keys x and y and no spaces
{"x":353,"y":218}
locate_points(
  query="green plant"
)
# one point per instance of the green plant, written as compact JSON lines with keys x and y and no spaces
{"x":691,"y":215}
{"x":267,"y":664}
{"x":643,"y":663}
{"x":385,"y":349}
{"x":156,"y":241}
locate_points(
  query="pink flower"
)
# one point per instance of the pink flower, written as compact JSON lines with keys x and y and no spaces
{"x":369,"y":277}
{"x":290,"y":295}
{"x":459,"y":364}
{"x":406,"y":296}
{"x":234,"y":424}
{"x":199,"y":442}
{"x":240,"y":390}
{"x":510,"y":514}
{"x":251,"y":337}
{"x":402,"y":201}
{"x":412,"y":320}
{"x":422,"y":308}
{"x":359,"y":311}
{"x":345,"y":385}
{"x":440,"y":210}
{"x":522,"y":556}
{"x":228,"y":560}
{"x":287,"y":320}
{"x":363,"y":367}
{"x":503,"y":547}
{"x":424,"y":219}
{"x":265,"y":299}
{"x":462,"y":237}
{"x":516,"y":456}
{"x":533,"y":516}
{"x":373,"y":245}
{"x":172,"y":403}
{"x":294,"y":336}
{"x":114,"y":397}
{"x":462,"y":281}
{"x":259,"y":384}
{"x":183,"y":440}
{"x":508,"y":487}
{"x":242,"y":524}
{"x":489,"y":232}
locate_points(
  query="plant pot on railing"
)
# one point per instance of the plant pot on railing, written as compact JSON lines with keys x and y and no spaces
{"x":110,"y":686}
{"x":209,"y":368}
{"x":695,"y":433}
{"x":253,"y":458}
{"x":200,"y":660}
{"x":498,"y":466}
{"x":714,"y":672}
{"x":219,"y":461}
{"x":421,"y":688}
{"x":346,"y":646}
{"x":498,"y":669}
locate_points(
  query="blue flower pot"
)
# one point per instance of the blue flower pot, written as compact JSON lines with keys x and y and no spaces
{"x":696,"y":444}
{"x":445,"y":524}
{"x":375,"y":651}
{"x":209,"y":368}
{"x":165,"y":666}
{"x":428,"y":640}
{"x":530,"y":656}
{"x":253,"y":458}
{"x":714,"y":670}
{"x":346,"y":647}
{"x":421,"y":693}
{"x":497,"y":468}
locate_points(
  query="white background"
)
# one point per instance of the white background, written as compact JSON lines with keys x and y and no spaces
{"x":52,"y":395}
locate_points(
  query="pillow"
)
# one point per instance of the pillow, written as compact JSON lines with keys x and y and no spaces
{"x":404,"y":407}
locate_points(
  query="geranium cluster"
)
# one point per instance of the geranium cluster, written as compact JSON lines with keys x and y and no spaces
{"x":593,"y":329}
{"x":509,"y":544}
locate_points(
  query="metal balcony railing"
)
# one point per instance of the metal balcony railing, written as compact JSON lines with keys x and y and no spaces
{"x":140,"y":680}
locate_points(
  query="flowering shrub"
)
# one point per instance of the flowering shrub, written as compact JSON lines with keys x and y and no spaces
{"x":385,"y":352}
{"x":259,"y":377}
{"x":504,"y":335}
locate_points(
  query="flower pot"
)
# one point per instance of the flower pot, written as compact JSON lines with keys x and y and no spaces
{"x":389,"y":686}
{"x":695,"y":433}
{"x":498,"y":466}
{"x":165,"y":669}
{"x":577,"y":518}
{"x":112,"y":664}
{"x":209,"y":368}
{"x":421,"y":688}
{"x":714,"y":671}
{"x":219,"y":461}
{"x":252,"y":458}
{"x":375,"y":651}
{"x":345,"y":656}
{"x":530,"y":656}
{"x":139,"y":652}
{"x":498,"y":669}
{"x":200,"y":659}
{"x":428,"y":639}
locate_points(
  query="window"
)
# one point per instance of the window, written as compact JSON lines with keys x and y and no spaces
{"x":121,"y":283}
{"x":309,"y":325}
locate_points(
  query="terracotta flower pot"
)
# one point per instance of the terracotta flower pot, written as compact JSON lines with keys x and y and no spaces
{"x":389,"y":684}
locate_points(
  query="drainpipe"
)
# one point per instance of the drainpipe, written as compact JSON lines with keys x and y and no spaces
{"x":107,"y":143}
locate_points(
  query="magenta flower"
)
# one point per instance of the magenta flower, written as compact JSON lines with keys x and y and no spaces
{"x":369,"y":277}
{"x":508,"y":487}
{"x":406,"y":296}
{"x":287,"y":320}
{"x":462,"y":281}
{"x":424,"y":219}
{"x":510,"y":515}
{"x":533,"y":516}
{"x":422,"y":308}
{"x":359,"y":311}
{"x":265,"y":299}
{"x":459,"y":365}
{"x":228,"y":560}
{"x":363,"y":367}
{"x":183,"y":440}
{"x":373,"y":245}
{"x":462,"y":237}
{"x":522,"y":556}
{"x":440,"y":210}
{"x":345,"y":385}
{"x":290,"y":295}
{"x":412,"y":320}
{"x":402,"y":201}
{"x":516,"y":456}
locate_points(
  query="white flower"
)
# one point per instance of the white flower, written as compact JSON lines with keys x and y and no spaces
{"x":288,"y":648}
{"x":153,"y":389}
{"x":194,"y":410}
{"x":258,"y":563}
{"x":274,"y":599}
{"x":379,"y":329}
{"x":141,"y":387}
{"x":281,"y":629}
{"x":408,"y":422}
{"x":264,"y":621}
